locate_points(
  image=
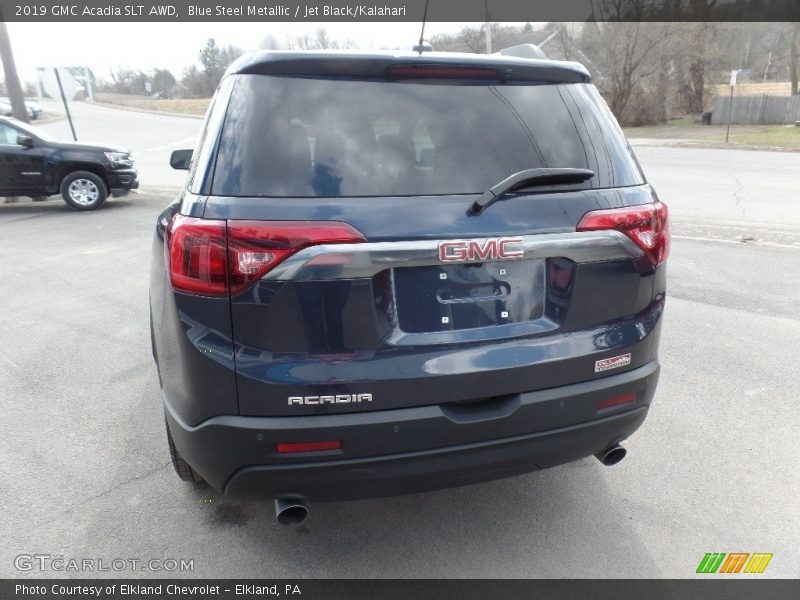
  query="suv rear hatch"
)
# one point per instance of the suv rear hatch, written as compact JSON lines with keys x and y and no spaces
{"x":359,"y":277}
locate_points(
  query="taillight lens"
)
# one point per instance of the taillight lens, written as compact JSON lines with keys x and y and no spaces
{"x":197,"y":256}
{"x":647,"y":225}
{"x":255,"y":247}
{"x":214,"y":258}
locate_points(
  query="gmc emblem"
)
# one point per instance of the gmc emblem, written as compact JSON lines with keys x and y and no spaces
{"x":481,"y":250}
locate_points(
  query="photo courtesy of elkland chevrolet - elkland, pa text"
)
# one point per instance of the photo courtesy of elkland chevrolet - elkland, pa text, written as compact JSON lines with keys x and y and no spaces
{"x":409,"y":299}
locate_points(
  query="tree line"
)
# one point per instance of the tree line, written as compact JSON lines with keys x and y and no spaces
{"x":650,"y":71}
{"x":194,"y":82}
{"x":200,"y":81}
{"x":647,"y":71}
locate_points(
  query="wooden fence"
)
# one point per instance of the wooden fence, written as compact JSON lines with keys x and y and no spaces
{"x":756,"y":109}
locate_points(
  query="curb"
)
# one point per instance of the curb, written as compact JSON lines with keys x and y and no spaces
{"x":52,"y":118}
{"x":713,"y":146}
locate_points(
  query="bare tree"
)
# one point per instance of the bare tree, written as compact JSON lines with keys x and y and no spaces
{"x":468,"y":39}
{"x":473,"y":39}
{"x":566,"y":37}
{"x":627,"y":54}
{"x":301,"y":42}
{"x":321,"y":40}
{"x":693,"y":54}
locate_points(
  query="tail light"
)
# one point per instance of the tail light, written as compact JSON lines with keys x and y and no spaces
{"x":219,"y":258}
{"x":197,"y":256}
{"x":647,"y":225}
{"x":443,"y":72}
{"x":256,"y":247}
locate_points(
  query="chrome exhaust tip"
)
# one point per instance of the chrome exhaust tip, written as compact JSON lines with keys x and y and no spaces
{"x":612,"y":455}
{"x":289,"y":511}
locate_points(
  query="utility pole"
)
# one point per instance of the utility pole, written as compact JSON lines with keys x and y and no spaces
{"x":734,"y":73}
{"x":12,"y":79}
{"x":488,"y":30}
{"x":794,"y":51}
{"x":66,"y":106}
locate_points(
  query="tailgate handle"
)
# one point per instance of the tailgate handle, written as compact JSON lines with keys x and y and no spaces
{"x":496,"y":407}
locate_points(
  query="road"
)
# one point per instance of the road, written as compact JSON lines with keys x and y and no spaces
{"x":151,"y":137}
{"x":714,"y":468}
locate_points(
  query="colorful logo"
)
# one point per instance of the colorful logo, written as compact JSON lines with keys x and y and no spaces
{"x":734,"y":562}
{"x":612,"y":363}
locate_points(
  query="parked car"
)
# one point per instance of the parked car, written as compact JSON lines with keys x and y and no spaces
{"x":32,"y":163}
{"x":394,"y":272}
{"x":34,"y":110}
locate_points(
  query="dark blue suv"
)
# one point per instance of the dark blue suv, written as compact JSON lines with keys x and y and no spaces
{"x":395,"y":272}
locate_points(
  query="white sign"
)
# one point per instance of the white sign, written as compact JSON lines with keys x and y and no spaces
{"x":733,"y":77}
{"x":147,"y":87}
{"x":48,"y":78}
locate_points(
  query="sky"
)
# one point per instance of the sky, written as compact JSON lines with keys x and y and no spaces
{"x":107,"y":46}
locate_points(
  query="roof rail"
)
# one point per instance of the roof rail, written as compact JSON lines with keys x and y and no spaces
{"x":523,"y":51}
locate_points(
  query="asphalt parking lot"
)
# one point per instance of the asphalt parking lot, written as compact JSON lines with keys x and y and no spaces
{"x":86,"y":473}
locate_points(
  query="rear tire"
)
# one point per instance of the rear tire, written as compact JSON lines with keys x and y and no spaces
{"x":83,"y":190}
{"x":182,"y":468}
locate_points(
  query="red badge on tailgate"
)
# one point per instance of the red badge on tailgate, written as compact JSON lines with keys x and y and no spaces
{"x":612,"y":363}
{"x":481,"y":250}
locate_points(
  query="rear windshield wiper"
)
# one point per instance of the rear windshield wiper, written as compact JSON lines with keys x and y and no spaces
{"x":529,"y":178}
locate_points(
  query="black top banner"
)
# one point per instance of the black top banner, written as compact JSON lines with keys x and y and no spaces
{"x":399,"y":10}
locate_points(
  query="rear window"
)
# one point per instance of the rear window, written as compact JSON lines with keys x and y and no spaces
{"x":305,"y":137}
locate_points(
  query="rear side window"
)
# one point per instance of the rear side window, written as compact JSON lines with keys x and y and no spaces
{"x":305,"y":137}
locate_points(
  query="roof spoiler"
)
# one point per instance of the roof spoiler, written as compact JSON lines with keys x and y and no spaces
{"x":523,"y":51}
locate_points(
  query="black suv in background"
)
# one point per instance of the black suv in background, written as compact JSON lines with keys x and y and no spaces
{"x":32,"y":163}
{"x":393,"y":272}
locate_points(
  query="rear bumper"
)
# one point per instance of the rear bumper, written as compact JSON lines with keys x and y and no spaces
{"x":400,"y":451}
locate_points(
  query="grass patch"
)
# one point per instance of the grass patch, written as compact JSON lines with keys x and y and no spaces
{"x":776,"y":136}
{"x":194,"y":106}
{"x":684,"y":122}
{"x":780,"y":136}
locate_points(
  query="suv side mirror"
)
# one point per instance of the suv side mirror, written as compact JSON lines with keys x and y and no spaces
{"x":25,"y":141}
{"x":181,"y":159}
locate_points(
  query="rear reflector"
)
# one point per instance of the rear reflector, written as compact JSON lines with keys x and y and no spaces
{"x":647,"y":225}
{"x":626,"y":399}
{"x":289,"y":447}
{"x":443,"y":72}
{"x":214,"y":258}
